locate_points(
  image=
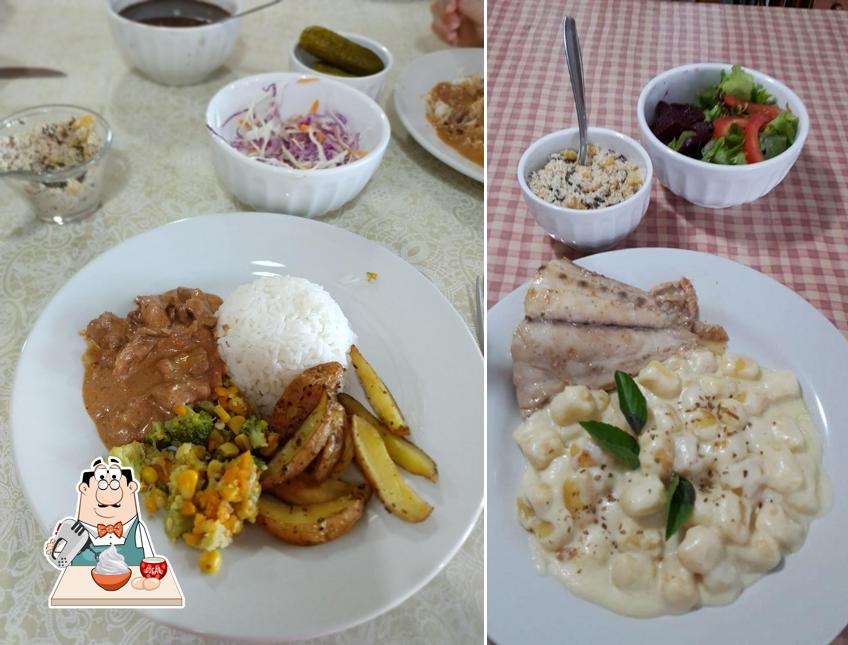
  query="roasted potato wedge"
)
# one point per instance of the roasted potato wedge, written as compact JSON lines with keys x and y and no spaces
{"x":378,"y":394}
{"x":373,"y":460}
{"x":302,"y":395}
{"x":303,"y":447}
{"x":409,"y":456}
{"x":300,"y":492}
{"x":322,"y":466}
{"x":402,"y":451}
{"x":312,"y":524}
{"x":347,"y":450}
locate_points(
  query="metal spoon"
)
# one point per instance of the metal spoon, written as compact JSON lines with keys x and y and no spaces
{"x":255,"y":9}
{"x":575,"y":72}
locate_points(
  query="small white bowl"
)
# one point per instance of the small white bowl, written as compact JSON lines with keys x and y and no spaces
{"x":707,"y":184}
{"x":588,"y":230}
{"x":285,"y":190}
{"x":174,"y":55}
{"x":301,"y":61}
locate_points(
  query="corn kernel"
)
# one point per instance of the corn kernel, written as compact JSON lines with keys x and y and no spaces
{"x":238,"y":405}
{"x":221,"y":391}
{"x":242,"y":441}
{"x":210,"y":562}
{"x":228,"y":450}
{"x":188,"y":508}
{"x":180,"y":410}
{"x":192,"y":539}
{"x":221,"y":413}
{"x":215,"y":440}
{"x":236,"y":423}
{"x":187,"y":483}
{"x":148,"y":475}
{"x":82,"y":121}
{"x":229,"y":492}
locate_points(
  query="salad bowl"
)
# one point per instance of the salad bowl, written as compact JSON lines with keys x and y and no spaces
{"x":280,"y":188}
{"x":709,"y":184}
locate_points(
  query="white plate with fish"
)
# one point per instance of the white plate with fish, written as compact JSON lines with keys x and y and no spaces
{"x":411,"y":98}
{"x":775,"y":327}
{"x":267,"y":589}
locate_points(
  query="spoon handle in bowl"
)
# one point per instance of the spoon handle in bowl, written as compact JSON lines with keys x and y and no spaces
{"x":575,"y":72}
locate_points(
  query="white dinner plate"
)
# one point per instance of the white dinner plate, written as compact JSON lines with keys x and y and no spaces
{"x":411,"y":91}
{"x":408,"y":331}
{"x":806,"y":600}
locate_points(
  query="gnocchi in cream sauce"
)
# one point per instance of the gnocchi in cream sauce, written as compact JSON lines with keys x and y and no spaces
{"x":739,"y":433}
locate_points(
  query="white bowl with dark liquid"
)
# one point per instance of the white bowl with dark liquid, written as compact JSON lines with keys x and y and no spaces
{"x":174,"y":55}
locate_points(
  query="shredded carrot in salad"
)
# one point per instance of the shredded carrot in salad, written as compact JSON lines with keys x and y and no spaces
{"x":305,"y":141}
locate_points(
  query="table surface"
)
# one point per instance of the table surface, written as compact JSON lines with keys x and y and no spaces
{"x":76,"y":587}
{"x":160,"y":171}
{"x":797,"y":234}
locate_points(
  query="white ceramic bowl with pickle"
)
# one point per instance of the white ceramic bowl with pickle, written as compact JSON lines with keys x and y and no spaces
{"x":301,"y":61}
{"x":587,"y":230}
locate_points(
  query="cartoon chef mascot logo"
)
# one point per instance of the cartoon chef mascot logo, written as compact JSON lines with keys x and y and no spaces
{"x":107,"y":545}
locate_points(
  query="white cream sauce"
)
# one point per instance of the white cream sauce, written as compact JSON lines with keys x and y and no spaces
{"x":741,"y":434}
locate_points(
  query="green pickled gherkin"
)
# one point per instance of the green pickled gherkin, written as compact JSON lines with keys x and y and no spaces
{"x":324,"y":68}
{"x":329,"y":47}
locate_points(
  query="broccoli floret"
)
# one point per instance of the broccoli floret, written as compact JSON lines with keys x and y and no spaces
{"x":131,"y":455}
{"x":157,"y":436}
{"x":256,"y":431}
{"x":193,"y":427}
{"x":176,"y":523}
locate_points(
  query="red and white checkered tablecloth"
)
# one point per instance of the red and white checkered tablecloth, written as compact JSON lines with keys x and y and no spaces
{"x":797,"y":234}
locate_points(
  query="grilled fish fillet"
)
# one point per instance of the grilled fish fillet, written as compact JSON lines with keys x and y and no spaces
{"x":580,"y":327}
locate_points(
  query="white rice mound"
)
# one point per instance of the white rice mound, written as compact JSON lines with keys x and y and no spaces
{"x":273,"y":328}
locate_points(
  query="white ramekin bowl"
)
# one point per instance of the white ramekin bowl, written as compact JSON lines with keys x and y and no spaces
{"x":587,"y":230}
{"x":707,"y":184}
{"x":173,"y":55}
{"x":285,"y":190}
{"x":300,"y":61}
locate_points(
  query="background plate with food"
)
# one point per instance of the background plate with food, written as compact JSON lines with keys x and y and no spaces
{"x":412,"y":98}
{"x":763,"y":320}
{"x":275,"y":589}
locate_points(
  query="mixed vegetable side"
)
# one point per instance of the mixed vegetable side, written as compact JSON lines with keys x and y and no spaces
{"x":734,"y":122}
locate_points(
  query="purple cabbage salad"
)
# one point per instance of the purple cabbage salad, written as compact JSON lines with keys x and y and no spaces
{"x":312,"y":141}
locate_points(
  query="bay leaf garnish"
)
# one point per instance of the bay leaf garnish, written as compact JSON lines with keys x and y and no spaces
{"x":632,"y":401}
{"x":618,"y":443}
{"x":679,"y":504}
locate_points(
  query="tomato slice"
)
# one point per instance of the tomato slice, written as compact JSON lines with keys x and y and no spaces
{"x":751,"y":144}
{"x":753,"y":108}
{"x":722,"y":124}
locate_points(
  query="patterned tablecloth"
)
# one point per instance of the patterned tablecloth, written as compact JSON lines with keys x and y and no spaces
{"x":797,"y":234}
{"x":160,"y":171}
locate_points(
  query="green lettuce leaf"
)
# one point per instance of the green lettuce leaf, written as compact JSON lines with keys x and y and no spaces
{"x":759,"y":94}
{"x":677,"y":144}
{"x":713,"y":113}
{"x":738,"y":83}
{"x":726,"y":150}
{"x":779,"y":134}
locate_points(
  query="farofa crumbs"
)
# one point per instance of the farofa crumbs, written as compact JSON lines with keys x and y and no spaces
{"x":607,"y":179}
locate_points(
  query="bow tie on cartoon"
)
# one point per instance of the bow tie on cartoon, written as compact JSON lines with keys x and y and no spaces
{"x":117,"y":528}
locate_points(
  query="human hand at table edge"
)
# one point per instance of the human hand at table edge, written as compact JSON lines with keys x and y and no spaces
{"x":458,"y":22}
